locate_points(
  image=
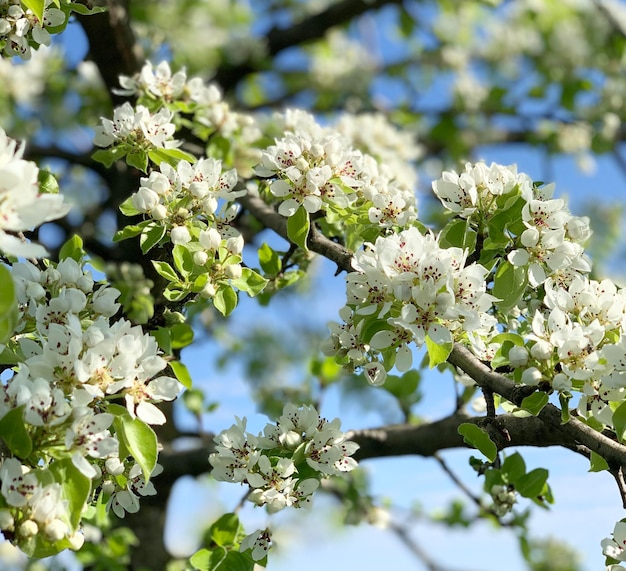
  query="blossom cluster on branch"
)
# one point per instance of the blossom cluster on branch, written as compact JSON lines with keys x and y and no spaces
{"x":283,"y":465}
{"x":507,"y":276}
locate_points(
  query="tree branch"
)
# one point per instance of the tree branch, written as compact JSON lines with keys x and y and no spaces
{"x":317,"y":242}
{"x":572,"y":434}
{"x":311,"y":28}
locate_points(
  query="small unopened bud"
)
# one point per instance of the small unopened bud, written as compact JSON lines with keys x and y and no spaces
{"x":518,"y":356}
{"x":28,"y":528}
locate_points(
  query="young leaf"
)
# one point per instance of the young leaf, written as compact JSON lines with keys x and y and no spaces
{"x":76,"y":487}
{"x":250,"y":281}
{"x":151,"y":236}
{"x":619,"y":421}
{"x":513,"y":467}
{"x":166,"y":271}
{"x":127,"y":208}
{"x":181,"y":373}
{"x":108,"y":156}
{"x":138,"y":159}
{"x":224,"y":531}
{"x":73,"y":248}
{"x":36,"y":6}
{"x":534,"y":403}
{"x":183,"y":260}
{"x":14,"y":433}
{"x":225,"y":300}
{"x":298,"y":227}
{"x":597,"y":463}
{"x":479,"y":439}
{"x":8,"y":305}
{"x":140,"y":440}
{"x":509,"y":285}
{"x":532,"y":484}
{"x":437,"y":353}
{"x":269,"y":260}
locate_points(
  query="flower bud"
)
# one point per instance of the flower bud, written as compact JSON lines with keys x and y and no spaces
{"x":180,"y":235}
{"x":56,"y":530}
{"x":518,"y":356}
{"x":28,"y":528}
{"x":208,"y":291}
{"x":531,"y":376}
{"x":233,"y":271}
{"x":200,"y":258}
{"x":159,"y":212}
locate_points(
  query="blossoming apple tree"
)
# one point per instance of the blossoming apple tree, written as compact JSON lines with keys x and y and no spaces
{"x":227,"y":168}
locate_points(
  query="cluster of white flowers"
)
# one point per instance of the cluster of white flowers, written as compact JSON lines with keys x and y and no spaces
{"x":503,"y":499}
{"x":407,"y":288}
{"x":138,"y":128}
{"x":22,"y":205}
{"x":548,"y":242}
{"x":284,"y":465}
{"x":20,"y":28}
{"x":73,"y":361}
{"x":195,"y":203}
{"x":31,"y":507}
{"x":320,"y":170}
{"x":579,"y":331}
{"x":210,"y":112}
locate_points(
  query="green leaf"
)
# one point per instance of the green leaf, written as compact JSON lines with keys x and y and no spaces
{"x":619,"y":421}
{"x":513,"y":467}
{"x":170,"y":156}
{"x":181,"y":335}
{"x":597,"y":463}
{"x":151,"y":236}
{"x":479,"y":439}
{"x":208,"y":560}
{"x":140,"y":441}
{"x":13,"y":432}
{"x":84,"y":10}
{"x":73,"y":248}
{"x":224,"y":531}
{"x":535,"y":402}
{"x":37,"y":7}
{"x":181,"y":373}
{"x":174,"y":294}
{"x":76,"y":487}
{"x":130,"y":231}
{"x":166,"y":271}
{"x":532,"y":484}
{"x":225,"y":299}
{"x":138,"y":159}
{"x":509,"y":285}
{"x":269,"y":260}
{"x":250,"y":281}
{"x":8,"y":305}
{"x":183,"y":260}
{"x":127,"y":208}
{"x":108,"y":156}
{"x":298,"y":227}
{"x":457,"y":233}
{"x":437,"y":353}
{"x":48,"y":184}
